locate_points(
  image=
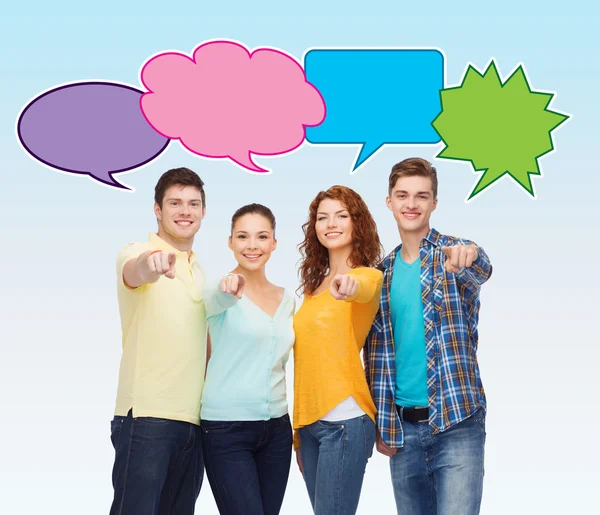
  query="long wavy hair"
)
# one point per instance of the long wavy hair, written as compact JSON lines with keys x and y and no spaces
{"x":366,"y":246}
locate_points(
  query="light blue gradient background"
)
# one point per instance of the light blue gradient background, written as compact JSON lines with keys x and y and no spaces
{"x":59,"y":325}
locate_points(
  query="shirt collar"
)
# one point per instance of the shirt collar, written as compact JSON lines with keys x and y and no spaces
{"x":433,"y":237}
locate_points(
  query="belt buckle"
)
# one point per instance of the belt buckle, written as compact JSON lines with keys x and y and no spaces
{"x":426,"y":419}
{"x":422,"y":420}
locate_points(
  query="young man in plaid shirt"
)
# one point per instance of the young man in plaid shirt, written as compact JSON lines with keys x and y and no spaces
{"x":420,"y":356}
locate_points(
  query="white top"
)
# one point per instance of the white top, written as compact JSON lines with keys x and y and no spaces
{"x":345,"y":410}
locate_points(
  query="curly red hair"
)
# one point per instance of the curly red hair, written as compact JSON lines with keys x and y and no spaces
{"x":366,"y":246}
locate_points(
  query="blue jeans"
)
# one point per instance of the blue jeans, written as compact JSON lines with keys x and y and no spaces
{"x":158,"y":466}
{"x":441,"y":473}
{"x":334,"y":458}
{"x":248,"y":464}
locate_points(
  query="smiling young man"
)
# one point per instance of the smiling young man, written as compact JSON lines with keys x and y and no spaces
{"x":420,"y":355}
{"x":158,"y":465}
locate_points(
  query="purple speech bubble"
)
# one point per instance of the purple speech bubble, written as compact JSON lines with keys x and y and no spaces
{"x":92,"y":128}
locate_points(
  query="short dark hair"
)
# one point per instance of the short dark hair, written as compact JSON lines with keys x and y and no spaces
{"x":178,"y":176}
{"x":411,"y":167}
{"x":253,"y":209}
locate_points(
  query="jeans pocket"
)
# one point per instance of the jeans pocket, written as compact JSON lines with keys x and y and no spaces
{"x":332,"y":425}
{"x":154,"y":420}
{"x":116,"y":426}
{"x":218,"y":426}
{"x":478,"y":418}
{"x":285,"y":422}
{"x":369,"y":435}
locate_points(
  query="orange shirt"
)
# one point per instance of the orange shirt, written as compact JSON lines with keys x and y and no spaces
{"x":329,"y":337}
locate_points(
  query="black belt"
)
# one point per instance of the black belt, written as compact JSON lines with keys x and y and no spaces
{"x":413,"y":414}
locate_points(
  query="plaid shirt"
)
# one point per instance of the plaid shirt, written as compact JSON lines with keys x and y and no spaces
{"x":451,"y":313}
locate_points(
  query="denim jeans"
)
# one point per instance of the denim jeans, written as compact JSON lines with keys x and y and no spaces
{"x":442,"y":473}
{"x":334,"y":459}
{"x":158,"y":466}
{"x":248,"y":464}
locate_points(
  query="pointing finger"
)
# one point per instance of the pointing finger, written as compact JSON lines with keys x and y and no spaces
{"x":232,"y":284}
{"x":470,"y":257}
{"x":454,"y":257}
{"x":241,"y":281}
{"x":462,"y":257}
{"x":353,"y":287}
{"x":343,"y":284}
{"x":151,"y":265}
{"x":158,"y":263}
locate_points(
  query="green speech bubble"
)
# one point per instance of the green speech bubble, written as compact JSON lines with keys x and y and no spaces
{"x":502,"y":128}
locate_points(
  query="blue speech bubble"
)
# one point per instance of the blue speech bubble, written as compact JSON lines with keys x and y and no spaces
{"x":376,"y":97}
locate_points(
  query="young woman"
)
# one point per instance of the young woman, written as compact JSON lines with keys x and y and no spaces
{"x":333,"y":409}
{"x":246,"y":431}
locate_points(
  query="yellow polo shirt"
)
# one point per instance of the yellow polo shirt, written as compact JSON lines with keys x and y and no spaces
{"x":164,"y":339}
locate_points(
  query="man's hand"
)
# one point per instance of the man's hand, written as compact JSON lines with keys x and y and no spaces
{"x":343,"y":286}
{"x":459,"y":256}
{"x":161,"y":263}
{"x":384,"y":448}
{"x":151,"y":265}
{"x":233,"y":284}
{"x":148,"y":267}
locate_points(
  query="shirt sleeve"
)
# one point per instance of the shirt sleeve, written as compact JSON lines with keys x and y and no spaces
{"x":370,"y":281}
{"x":131,"y":251}
{"x":216,"y":301}
{"x":479,"y":271}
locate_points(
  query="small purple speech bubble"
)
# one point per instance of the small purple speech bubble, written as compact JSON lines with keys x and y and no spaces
{"x":92,"y":128}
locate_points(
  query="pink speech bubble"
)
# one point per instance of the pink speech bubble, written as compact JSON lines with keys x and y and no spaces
{"x":226,"y":101}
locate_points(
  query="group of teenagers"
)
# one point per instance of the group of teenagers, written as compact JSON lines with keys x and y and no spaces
{"x":202,"y":382}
